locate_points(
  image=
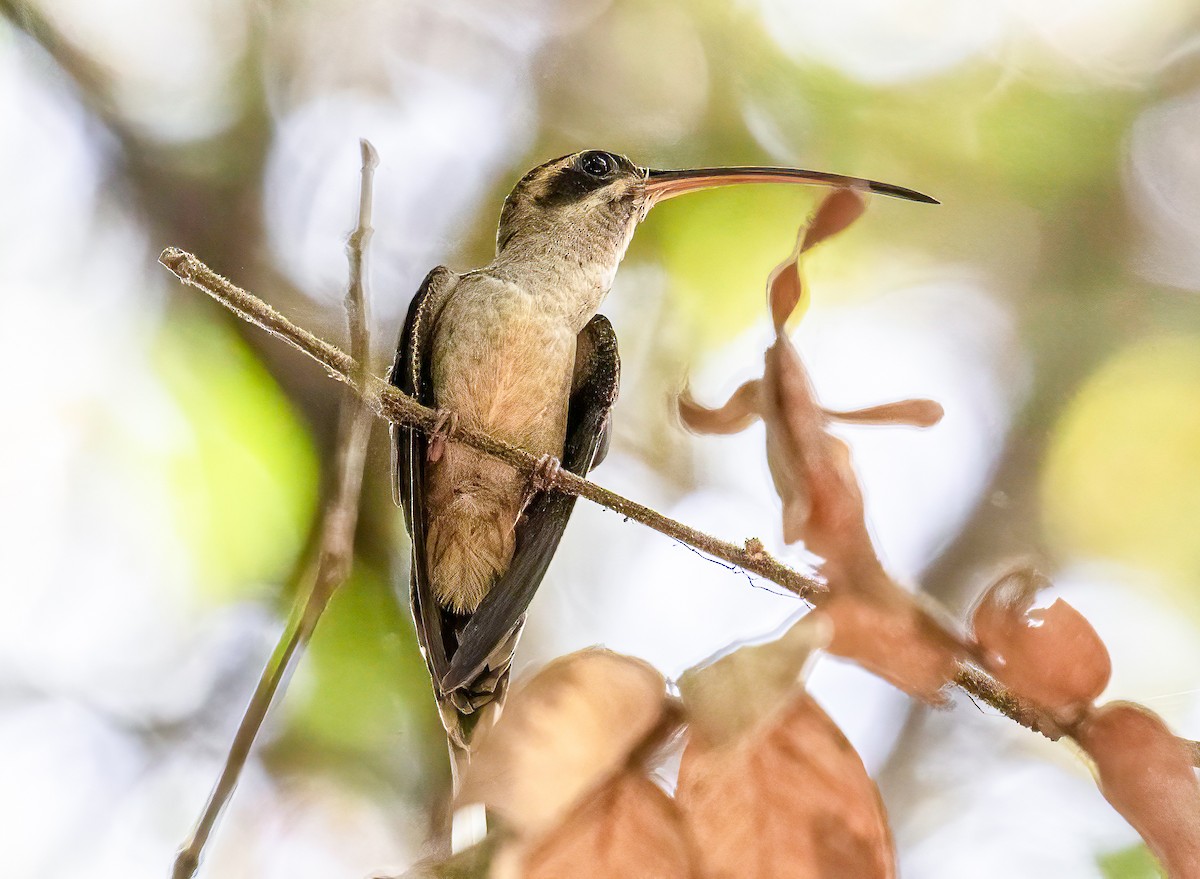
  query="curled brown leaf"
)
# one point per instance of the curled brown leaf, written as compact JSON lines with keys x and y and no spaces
{"x":629,"y":829}
{"x":739,"y":411}
{"x":727,"y":697}
{"x":1051,"y":655}
{"x":914,"y":413}
{"x":785,"y":289}
{"x":835,"y":213}
{"x":789,"y":798}
{"x":563,"y":734}
{"x":1147,"y":774}
{"x":785,"y":286}
{"x":795,"y":439}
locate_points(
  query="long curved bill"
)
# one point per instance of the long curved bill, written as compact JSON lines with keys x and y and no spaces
{"x":661,"y":185}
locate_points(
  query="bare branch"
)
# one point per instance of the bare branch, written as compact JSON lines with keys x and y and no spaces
{"x":987,"y":689}
{"x":356,"y":253}
{"x":335,"y":553}
{"x":389,"y":403}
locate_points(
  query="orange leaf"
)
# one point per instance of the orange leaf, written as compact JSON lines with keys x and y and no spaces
{"x":888,"y":631}
{"x":1050,"y":655}
{"x":739,"y":412}
{"x":915,"y":413}
{"x":1147,"y":774}
{"x":562,"y":735}
{"x":876,"y":623}
{"x":726,"y":698}
{"x":629,"y":829}
{"x":837,"y":211}
{"x":794,"y":432}
{"x":785,"y":286}
{"x":790,"y":799}
{"x":810,"y":467}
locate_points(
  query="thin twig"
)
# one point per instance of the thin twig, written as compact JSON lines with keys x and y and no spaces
{"x":399,"y":408}
{"x":389,"y":403}
{"x":987,"y":689}
{"x":335,"y":553}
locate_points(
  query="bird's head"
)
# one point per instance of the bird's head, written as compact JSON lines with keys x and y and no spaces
{"x":586,"y":205}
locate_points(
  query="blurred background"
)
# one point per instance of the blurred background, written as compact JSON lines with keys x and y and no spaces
{"x":160,"y":461}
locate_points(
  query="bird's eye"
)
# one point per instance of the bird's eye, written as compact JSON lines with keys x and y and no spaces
{"x":597,"y":164}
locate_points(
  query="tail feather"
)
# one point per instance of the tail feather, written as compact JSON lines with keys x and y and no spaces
{"x":469,"y":712}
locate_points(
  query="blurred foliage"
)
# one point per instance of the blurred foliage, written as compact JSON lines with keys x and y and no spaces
{"x":1134,"y":862}
{"x":1050,"y":144}
{"x":1122,"y":475}
{"x":718,"y":248}
{"x":363,"y":680}
{"x":245,"y":480}
{"x":190,"y":120}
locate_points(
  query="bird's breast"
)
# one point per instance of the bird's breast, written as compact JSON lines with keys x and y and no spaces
{"x":503,"y":360}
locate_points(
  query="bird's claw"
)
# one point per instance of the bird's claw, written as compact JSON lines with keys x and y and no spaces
{"x":444,"y":429}
{"x":545,"y":475}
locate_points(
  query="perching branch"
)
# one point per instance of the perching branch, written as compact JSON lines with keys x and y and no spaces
{"x":389,"y":403}
{"x":335,"y":547}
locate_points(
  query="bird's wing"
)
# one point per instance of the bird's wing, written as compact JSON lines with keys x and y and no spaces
{"x":489,"y":632}
{"x":412,"y":374}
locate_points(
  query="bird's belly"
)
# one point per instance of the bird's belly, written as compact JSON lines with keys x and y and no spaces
{"x":511,"y":378}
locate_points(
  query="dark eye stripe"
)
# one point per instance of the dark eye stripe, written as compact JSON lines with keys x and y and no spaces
{"x":569,"y":185}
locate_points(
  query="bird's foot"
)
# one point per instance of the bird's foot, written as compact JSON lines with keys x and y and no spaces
{"x":444,"y":429}
{"x":545,"y":475}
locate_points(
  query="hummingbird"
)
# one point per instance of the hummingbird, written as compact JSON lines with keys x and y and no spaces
{"x":516,"y":349}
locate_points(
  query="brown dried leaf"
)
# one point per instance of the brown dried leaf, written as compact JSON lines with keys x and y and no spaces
{"x":794,"y":433}
{"x":822,"y":503}
{"x":837,"y":211}
{"x":562,"y":735}
{"x":739,"y":412}
{"x":915,"y":413}
{"x":726,"y":698}
{"x":629,"y":829}
{"x":810,"y":467}
{"x":785,"y":287}
{"x":1050,"y":655}
{"x":1147,"y":774}
{"x":791,"y":798}
{"x":837,"y":527}
{"x":889,"y":631}
{"x":875,"y":622}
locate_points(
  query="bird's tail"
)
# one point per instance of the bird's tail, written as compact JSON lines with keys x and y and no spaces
{"x":469,"y":712}
{"x":467,"y":717}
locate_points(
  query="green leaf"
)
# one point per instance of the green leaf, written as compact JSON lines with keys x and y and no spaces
{"x":1134,"y":862}
{"x":718,"y":250}
{"x":357,"y":687}
{"x":244,"y":476}
{"x":1122,"y":474}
